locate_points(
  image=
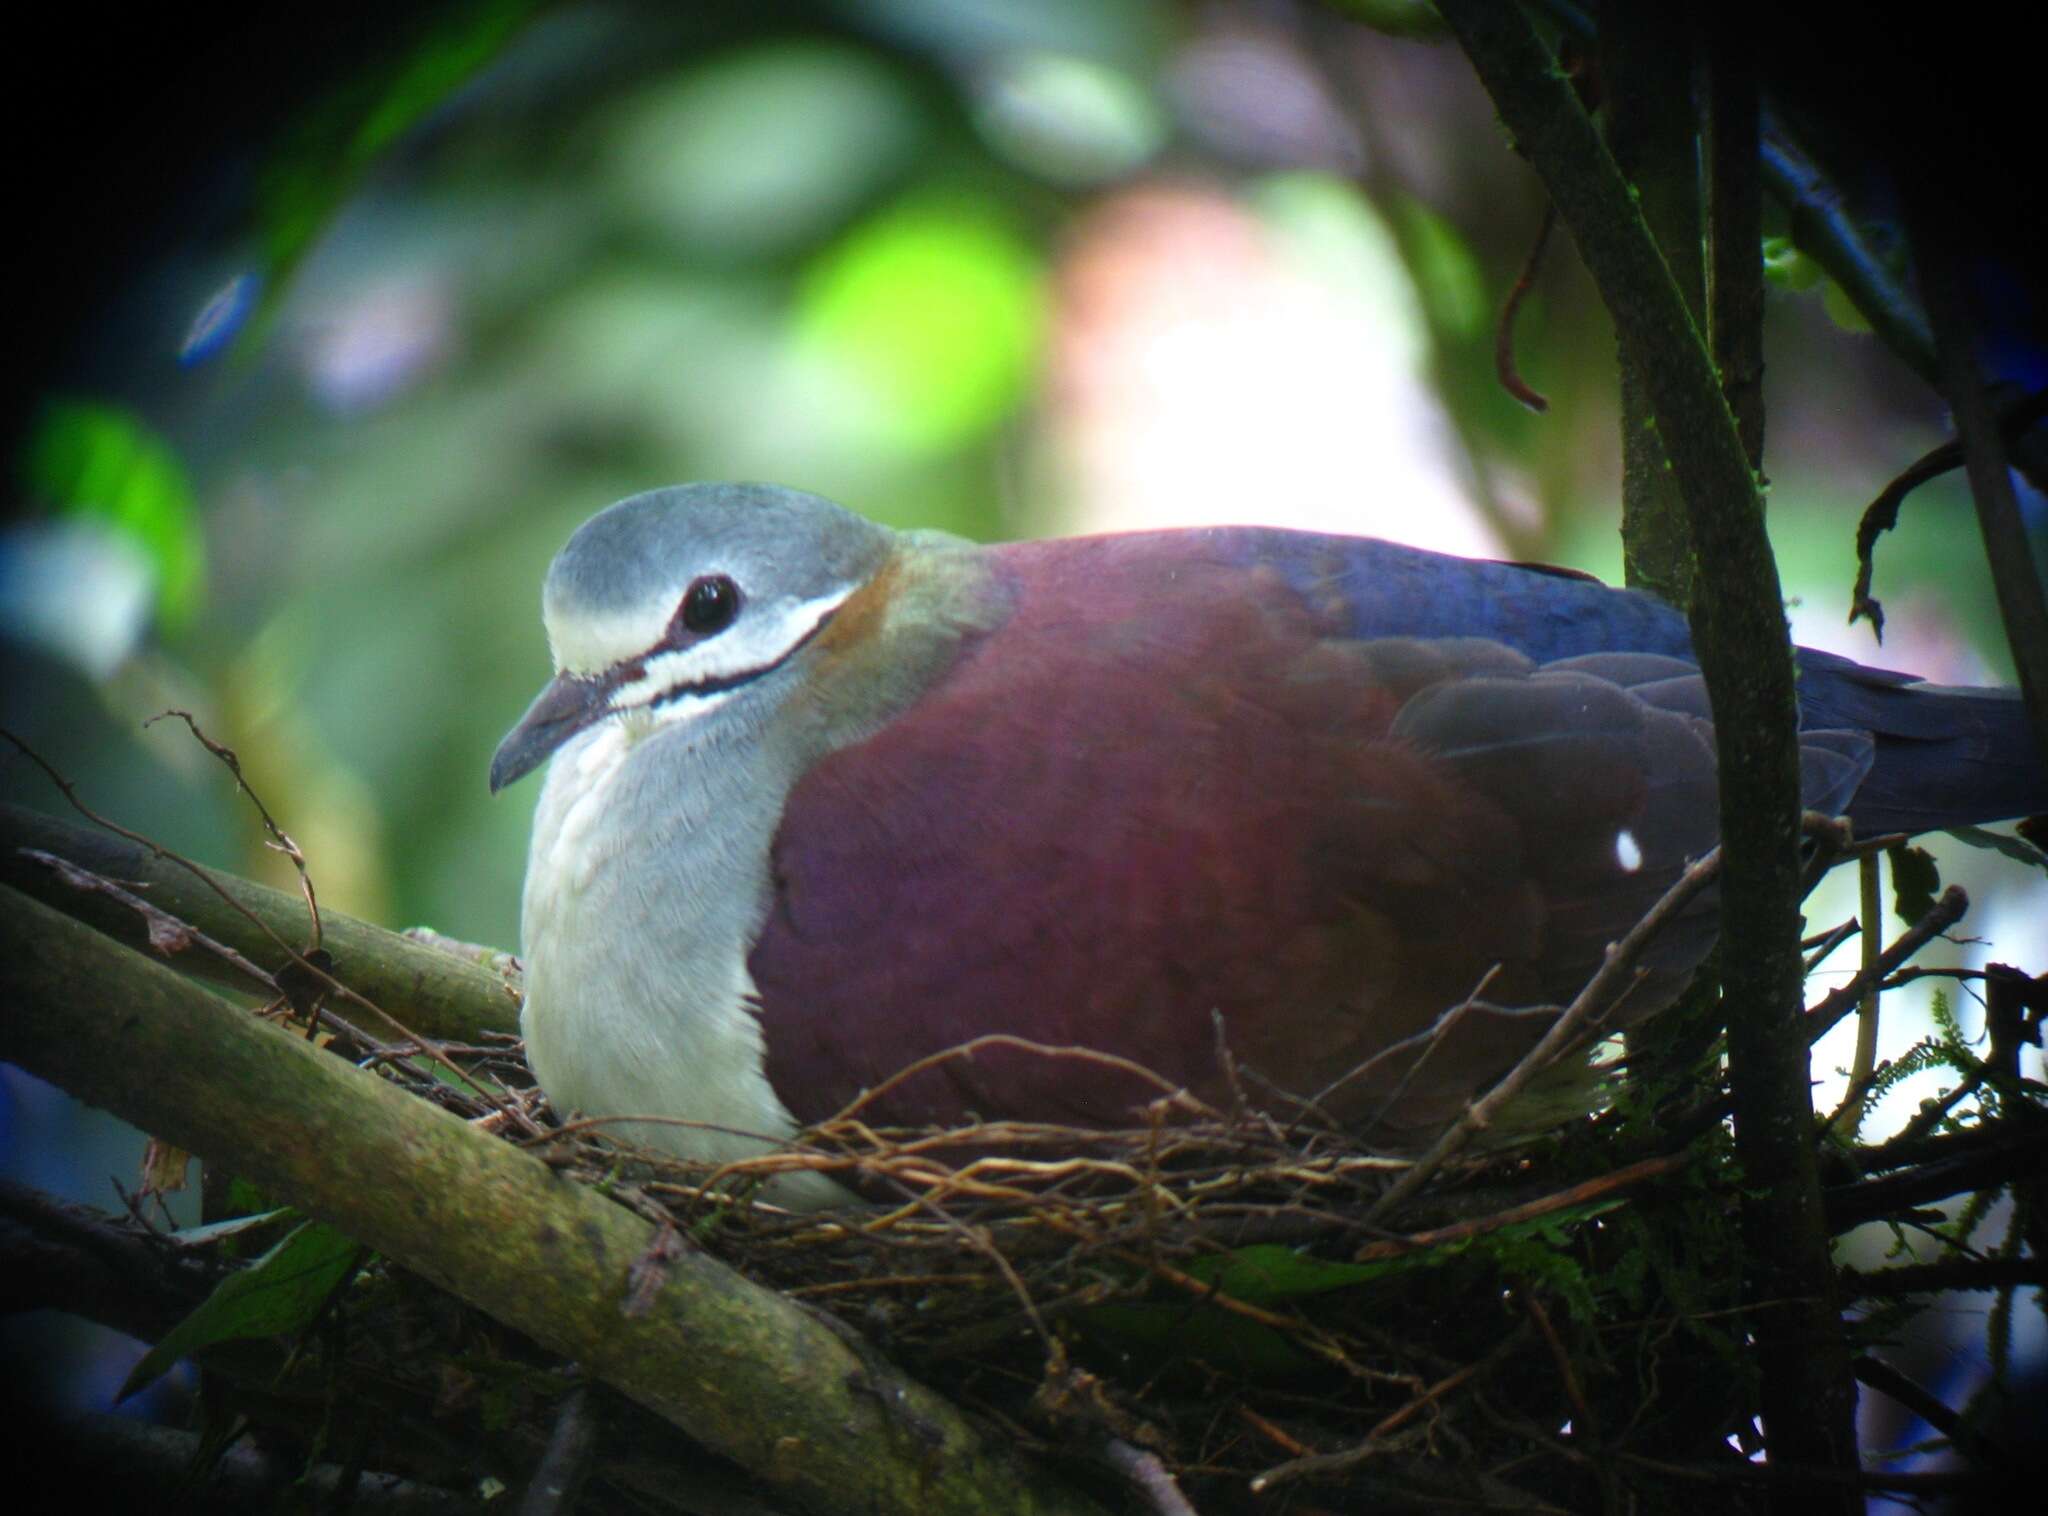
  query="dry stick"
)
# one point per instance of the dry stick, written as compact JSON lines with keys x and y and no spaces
{"x":2002,"y":1158}
{"x":1931,"y":971}
{"x":1278,"y":1435}
{"x":167,"y":934}
{"x":1166,"y":1087}
{"x":1823,"y":946}
{"x":1969,"y":1274}
{"x":1302,"y":1333}
{"x":1830,"y":841}
{"x":1931,"y":1112}
{"x":1559,"y":1200}
{"x":1504,"y":366}
{"x":1582,"y":1415}
{"x":565,"y":1463}
{"x":1820,"y":1017}
{"x":1601,"y":991}
{"x":1832,"y":1007}
{"x":1374,"y":1444}
{"x":1428,"y":1040}
{"x":1928,"y":1406}
{"x":1583,"y":1423}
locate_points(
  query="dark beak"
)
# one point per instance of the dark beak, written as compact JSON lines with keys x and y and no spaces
{"x":564,"y":708}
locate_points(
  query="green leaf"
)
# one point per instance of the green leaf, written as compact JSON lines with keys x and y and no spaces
{"x":1445,"y":269}
{"x":280,"y":1292}
{"x":2016,"y":848}
{"x":1841,"y":309}
{"x":1411,"y":20}
{"x":342,"y":135}
{"x":216,"y":1231}
{"x":1788,"y":268}
{"x":1268,"y":1272}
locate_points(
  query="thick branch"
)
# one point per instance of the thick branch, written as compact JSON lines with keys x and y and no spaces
{"x":1825,"y":228}
{"x":740,"y":1368}
{"x":1999,"y":1158}
{"x":1646,"y":73}
{"x":1740,"y":636}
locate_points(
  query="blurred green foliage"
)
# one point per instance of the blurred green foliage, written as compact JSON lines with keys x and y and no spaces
{"x":341,"y":137}
{"x":931,"y":317}
{"x":102,"y":464}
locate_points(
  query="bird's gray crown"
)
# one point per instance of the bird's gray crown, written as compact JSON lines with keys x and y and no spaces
{"x":611,"y":591}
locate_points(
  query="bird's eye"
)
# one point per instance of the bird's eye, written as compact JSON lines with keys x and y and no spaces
{"x":709,"y":605}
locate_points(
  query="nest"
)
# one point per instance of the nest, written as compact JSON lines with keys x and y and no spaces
{"x":1251,"y":1303}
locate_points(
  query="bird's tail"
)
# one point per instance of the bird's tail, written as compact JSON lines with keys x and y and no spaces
{"x":1945,"y":756}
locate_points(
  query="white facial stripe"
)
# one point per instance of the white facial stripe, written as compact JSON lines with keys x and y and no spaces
{"x":591,"y":644}
{"x":763,"y":636}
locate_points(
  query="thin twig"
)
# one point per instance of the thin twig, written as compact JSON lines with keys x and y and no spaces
{"x":1959,"y":1274}
{"x":1822,"y":947}
{"x":1167,"y":1088}
{"x":1504,"y":365}
{"x":1582,"y":1414}
{"x":1583,"y":1193}
{"x":1375,"y":1442}
{"x":279,"y":839}
{"x":1832,"y":1007}
{"x":1932,"y":1409}
{"x":1602,"y":990}
{"x":167,"y":934}
{"x":1847,"y":1119}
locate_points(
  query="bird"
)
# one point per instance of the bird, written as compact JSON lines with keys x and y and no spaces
{"x":825,"y":798}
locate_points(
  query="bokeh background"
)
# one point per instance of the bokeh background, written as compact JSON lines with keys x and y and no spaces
{"x":355,"y":366}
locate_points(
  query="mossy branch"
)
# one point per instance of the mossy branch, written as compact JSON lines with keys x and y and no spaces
{"x":434,"y":993}
{"x":742,"y":1369}
{"x":1741,"y":640}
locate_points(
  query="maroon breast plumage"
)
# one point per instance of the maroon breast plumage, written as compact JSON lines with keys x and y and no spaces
{"x":1167,"y":790}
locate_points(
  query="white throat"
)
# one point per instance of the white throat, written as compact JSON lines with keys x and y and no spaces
{"x":646,"y":885}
